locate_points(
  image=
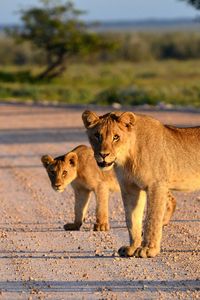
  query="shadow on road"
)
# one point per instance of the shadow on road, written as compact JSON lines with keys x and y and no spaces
{"x":20,"y":166}
{"x":71,"y":254}
{"x":42,"y":135}
{"x":54,"y":227}
{"x":98,"y":286}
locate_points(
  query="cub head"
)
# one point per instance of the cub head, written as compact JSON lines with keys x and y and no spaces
{"x":61,"y":170}
{"x":109,"y":136}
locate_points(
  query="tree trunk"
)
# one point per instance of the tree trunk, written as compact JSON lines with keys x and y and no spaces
{"x":58,"y":71}
{"x":55,"y":69}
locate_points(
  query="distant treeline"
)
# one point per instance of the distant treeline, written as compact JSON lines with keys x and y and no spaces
{"x":133,"y":47}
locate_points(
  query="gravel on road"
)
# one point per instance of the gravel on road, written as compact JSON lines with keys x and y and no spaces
{"x":39,"y":260}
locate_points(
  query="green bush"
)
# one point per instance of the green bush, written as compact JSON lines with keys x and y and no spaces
{"x":176,"y":45}
{"x":173,"y":81}
{"x":128,"y":96}
{"x":134,"y":47}
{"x":12,"y":53}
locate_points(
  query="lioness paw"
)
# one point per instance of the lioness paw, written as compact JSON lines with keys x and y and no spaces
{"x":71,"y":226}
{"x":125,"y":251}
{"x":101,"y":227}
{"x":145,"y":252}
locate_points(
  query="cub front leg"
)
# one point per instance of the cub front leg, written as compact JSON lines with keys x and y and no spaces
{"x":156,"y":205}
{"x":170,"y":208}
{"x":82,"y":197}
{"x":134,"y":201}
{"x":102,"y":195}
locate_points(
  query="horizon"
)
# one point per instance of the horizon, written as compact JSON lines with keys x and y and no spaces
{"x":145,"y":20}
{"x":125,"y":10}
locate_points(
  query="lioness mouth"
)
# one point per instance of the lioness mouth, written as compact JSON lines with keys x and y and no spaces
{"x":104,"y":164}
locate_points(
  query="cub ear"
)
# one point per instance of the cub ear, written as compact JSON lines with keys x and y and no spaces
{"x":90,"y":119}
{"x":128,"y":119}
{"x":47,"y":160}
{"x":72,"y":158}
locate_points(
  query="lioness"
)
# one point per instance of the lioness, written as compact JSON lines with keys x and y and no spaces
{"x":79,"y":168}
{"x":148,"y":157}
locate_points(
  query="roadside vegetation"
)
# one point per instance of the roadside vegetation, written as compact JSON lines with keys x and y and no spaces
{"x":65,"y":62}
{"x":171,"y":81}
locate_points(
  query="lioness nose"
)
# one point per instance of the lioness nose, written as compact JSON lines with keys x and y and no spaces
{"x":57,"y":185}
{"x":103,"y":155}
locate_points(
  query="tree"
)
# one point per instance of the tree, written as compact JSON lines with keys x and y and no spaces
{"x":55,"y":28}
{"x":195,"y":3}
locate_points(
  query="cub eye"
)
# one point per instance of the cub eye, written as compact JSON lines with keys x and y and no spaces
{"x":53,"y":173}
{"x":97,"y":136}
{"x":64,"y":173}
{"x":116,"y":137}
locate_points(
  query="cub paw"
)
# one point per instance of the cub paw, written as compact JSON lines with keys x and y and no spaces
{"x":101,"y":227}
{"x":71,"y":226}
{"x":125,"y":251}
{"x":145,"y":252}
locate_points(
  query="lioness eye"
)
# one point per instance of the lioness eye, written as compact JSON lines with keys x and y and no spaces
{"x":116,"y":137}
{"x":64,"y":173}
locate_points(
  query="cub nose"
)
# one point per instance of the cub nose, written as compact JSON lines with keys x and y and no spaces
{"x":103,"y":155}
{"x":57,"y":185}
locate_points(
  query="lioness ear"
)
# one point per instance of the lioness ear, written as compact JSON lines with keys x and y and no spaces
{"x":47,"y":160}
{"x":127,"y":118}
{"x":72,"y":158}
{"x":89,"y":118}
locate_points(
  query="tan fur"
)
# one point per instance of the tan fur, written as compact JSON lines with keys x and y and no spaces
{"x":149,"y":157}
{"x":80,"y":169}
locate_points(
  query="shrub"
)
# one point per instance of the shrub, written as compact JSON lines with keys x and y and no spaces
{"x":128,"y":96}
{"x":134,"y":47}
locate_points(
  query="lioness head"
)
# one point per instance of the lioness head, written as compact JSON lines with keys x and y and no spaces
{"x":108,"y":135}
{"x":61,"y":170}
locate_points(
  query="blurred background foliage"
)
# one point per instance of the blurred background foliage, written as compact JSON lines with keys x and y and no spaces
{"x":129,"y":68}
{"x":126,"y":46}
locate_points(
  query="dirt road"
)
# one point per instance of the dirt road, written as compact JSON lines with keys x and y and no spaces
{"x":39,"y":260}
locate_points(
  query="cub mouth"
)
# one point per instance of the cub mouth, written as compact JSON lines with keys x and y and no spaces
{"x":104,"y":164}
{"x":58,"y":190}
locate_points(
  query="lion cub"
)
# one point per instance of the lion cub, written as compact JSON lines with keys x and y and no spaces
{"x":79,"y":168}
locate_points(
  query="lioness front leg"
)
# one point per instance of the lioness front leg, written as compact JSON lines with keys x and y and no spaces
{"x":102,"y":194}
{"x":134,"y":202}
{"x":156,"y":205}
{"x":82,"y":197}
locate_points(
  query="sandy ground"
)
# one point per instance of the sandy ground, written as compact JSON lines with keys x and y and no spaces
{"x":39,"y":260}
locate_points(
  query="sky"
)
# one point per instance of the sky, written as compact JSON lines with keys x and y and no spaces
{"x":110,"y":9}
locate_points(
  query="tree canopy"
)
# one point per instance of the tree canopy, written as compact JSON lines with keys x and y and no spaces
{"x":56,"y":29}
{"x":195,"y":3}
